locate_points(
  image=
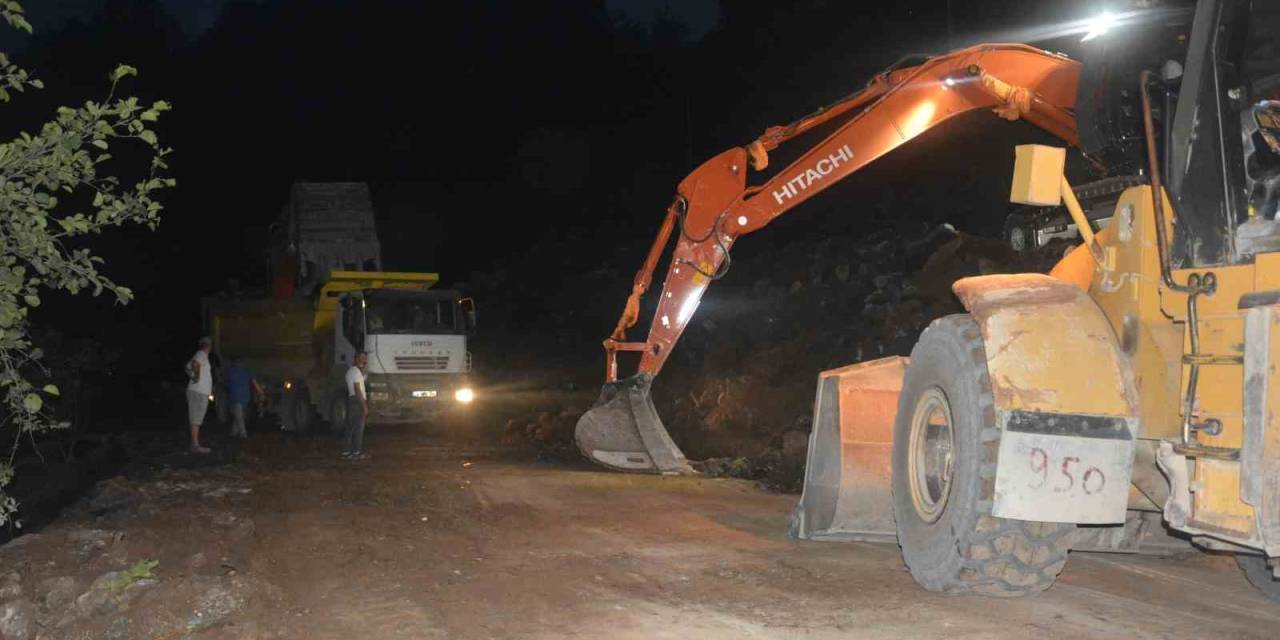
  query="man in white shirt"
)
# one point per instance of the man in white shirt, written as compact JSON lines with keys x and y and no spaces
{"x":199,"y":386}
{"x":357,"y":409}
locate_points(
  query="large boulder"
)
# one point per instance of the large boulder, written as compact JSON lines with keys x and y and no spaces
{"x":17,"y":620}
{"x":10,"y":586}
{"x":57,"y":592}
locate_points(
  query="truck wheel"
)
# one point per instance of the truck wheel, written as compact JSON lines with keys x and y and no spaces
{"x":945,"y":444}
{"x":1020,"y":233}
{"x":1260,"y":576}
{"x":338,"y":414}
{"x":301,"y":413}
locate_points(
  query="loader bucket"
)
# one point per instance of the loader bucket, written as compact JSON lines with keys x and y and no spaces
{"x":622,"y":431}
{"x":846,"y":478}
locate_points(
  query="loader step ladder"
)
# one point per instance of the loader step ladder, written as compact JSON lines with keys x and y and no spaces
{"x":1202,"y":451}
{"x":1189,"y":446}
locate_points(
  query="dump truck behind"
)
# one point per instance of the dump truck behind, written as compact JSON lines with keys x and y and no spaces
{"x":300,"y":348}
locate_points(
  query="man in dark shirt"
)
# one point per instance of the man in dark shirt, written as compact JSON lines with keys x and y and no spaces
{"x":240,"y":391}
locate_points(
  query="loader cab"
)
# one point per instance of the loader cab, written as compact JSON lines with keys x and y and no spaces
{"x":1216,"y":109}
{"x":1222,"y":163}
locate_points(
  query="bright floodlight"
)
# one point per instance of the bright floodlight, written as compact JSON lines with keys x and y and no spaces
{"x":1099,"y":26}
{"x":464,"y":395}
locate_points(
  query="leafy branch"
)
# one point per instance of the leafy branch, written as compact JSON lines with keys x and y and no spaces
{"x":53,"y":194}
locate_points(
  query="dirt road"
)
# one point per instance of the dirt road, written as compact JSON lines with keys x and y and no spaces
{"x":429,"y":540}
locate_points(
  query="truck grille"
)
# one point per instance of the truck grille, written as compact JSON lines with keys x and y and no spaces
{"x":422,"y":363}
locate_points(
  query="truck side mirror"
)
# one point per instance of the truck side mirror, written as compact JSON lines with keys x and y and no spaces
{"x":352,"y":322}
{"x":468,"y":314}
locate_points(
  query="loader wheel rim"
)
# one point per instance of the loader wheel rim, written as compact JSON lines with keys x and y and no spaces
{"x":930,"y":454}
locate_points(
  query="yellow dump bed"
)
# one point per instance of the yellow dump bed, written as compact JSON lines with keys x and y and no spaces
{"x":270,"y":336}
{"x":288,"y":338}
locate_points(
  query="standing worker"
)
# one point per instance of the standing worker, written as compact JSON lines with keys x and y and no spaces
{"x":241,"y":389}
{"x":199,"y":386}
{"x":357,"y":409}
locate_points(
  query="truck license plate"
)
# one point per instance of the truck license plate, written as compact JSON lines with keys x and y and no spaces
{"x":424,"y":393}
{"x":1064,"y":468}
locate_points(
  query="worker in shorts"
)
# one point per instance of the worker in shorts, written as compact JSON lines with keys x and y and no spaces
{"x":199,"y":386}
{"x":357,"y":409}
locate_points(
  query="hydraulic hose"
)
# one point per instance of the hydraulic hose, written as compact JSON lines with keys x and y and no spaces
{"x":1157,"y":190}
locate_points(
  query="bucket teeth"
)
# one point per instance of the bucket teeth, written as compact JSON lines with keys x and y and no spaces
{"x":622,"y":431}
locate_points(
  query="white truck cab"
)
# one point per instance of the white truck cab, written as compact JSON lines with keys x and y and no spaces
{"x":417,"y":346}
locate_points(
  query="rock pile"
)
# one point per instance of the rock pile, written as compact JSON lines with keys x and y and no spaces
{"x":738,"y":388}
{"x":92,"y":576}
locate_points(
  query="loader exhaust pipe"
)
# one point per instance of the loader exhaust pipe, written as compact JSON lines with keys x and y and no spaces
{"x":622,"y":431}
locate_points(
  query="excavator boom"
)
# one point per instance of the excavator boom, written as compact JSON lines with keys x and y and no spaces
{"x":714,"y":206}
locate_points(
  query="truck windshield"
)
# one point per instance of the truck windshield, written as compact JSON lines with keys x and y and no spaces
{"x":410,"y":314}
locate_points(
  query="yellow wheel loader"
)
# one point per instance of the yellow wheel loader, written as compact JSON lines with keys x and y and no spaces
{"x":1128,"y":400}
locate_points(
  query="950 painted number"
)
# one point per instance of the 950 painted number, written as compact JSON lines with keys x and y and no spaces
{"x":1064,"y":475}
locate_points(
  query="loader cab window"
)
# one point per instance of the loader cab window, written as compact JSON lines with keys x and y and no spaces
{"x":1222,"y":172}
{"x":412,"y":313}
{"x":1261,"y":120}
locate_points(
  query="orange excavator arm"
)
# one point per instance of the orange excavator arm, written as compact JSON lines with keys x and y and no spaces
{"x":714,"y":205}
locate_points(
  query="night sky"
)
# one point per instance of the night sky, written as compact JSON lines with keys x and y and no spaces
{"x":483,"y":127}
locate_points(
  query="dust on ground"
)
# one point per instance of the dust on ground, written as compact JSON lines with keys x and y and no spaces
{"x":437,"y":537}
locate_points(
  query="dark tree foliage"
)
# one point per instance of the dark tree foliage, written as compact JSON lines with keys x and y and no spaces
{"x":55,"y":192}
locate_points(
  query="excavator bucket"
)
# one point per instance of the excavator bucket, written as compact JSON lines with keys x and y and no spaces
{"x":622,"y":431}
{"x":846,"y":480}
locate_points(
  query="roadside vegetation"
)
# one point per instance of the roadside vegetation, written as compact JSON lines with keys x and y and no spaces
{"x":61,"y":184}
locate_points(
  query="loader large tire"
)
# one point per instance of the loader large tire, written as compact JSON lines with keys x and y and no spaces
{"x":950,"y":541}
